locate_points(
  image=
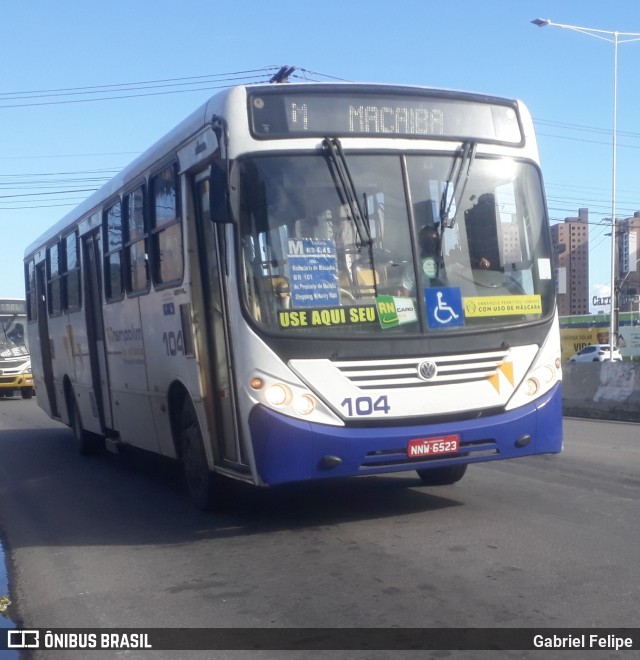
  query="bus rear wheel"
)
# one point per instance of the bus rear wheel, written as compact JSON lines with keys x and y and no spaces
{"x":202,"y":484}
{"x":443,"y":476}
{"x":88,"y":444}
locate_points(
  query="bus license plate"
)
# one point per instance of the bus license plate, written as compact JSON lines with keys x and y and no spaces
{"x":445,"y":444}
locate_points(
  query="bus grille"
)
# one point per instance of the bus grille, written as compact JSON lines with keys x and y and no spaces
{"x":13,"y":363}
{"x":406,"y":372}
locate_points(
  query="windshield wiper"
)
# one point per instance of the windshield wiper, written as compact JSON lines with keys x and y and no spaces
{"x":459,"y":174}
{"x":360,"y":219}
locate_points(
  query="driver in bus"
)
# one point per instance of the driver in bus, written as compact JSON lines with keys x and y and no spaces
{"x":17,"y":334}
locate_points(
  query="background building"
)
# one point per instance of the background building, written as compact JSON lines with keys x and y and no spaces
{"x":627,"y":273}
{"x":571,"y":240}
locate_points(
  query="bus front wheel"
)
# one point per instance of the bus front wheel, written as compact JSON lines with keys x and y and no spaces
{"x":443,"y":476}
{"x":202,"y":484}
{"x":27,"y":392}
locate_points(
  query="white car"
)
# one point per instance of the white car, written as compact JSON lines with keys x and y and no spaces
{"x":596,"y":353}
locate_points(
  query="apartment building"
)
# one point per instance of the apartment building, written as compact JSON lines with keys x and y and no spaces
{"x":571,"y":240}
{"x":628,"y":266}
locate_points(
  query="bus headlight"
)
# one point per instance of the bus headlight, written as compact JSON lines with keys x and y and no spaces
{"x":543,"y":374}
{"x":291,"y":399}
{"x":304,"y":405}
{"x":539,"y":381}
{"x":278,"y":395}
{"x":532,"y":387}
{"x":548,"y":374}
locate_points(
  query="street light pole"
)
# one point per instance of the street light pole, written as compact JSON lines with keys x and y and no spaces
{"x":613,"y":324}
{"x":614,"y":38}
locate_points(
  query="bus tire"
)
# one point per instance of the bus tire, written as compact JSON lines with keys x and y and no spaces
{"x":203,"y":484}
{"x":27,"y":392}
{"x":443,"y":476}
{"x":88,"y":444}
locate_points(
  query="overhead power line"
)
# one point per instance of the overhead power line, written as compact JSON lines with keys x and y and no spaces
{"x":90,"y":155}
{"x":163,"y":86}
{"x":576,"y":139}
{"x":565,"y":201}
{"x":120,"y":86}
{"x":582,"y":127}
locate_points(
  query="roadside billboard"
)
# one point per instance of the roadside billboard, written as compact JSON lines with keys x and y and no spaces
{"x":629,"y":341}
{"x":575,"y":339}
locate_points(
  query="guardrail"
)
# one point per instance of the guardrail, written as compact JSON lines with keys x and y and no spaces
{"x":601,"y":390}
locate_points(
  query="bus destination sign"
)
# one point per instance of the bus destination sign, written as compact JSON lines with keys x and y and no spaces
{"x":306,"y":113}
{"x":13,"y":307}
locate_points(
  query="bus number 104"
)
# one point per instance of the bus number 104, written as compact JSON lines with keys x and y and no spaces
{"x":365,"y":405}
{"x":173,"y":342}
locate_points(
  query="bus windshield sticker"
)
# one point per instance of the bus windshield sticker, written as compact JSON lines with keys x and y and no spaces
{"x":444,"y":307}
{"x":502,"y":305}
{"x":327,"y":317}
{"x":394,"y":311}
{"x":313,"y":272}
{"x":544,"y":269}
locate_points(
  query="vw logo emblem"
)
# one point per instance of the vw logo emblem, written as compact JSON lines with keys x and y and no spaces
{"x":427,"y":370}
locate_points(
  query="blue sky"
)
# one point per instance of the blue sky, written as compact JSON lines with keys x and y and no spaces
{"x":54,"y":149}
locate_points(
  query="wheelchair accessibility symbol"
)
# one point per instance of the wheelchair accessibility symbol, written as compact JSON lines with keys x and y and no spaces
{"x":444,"y":307}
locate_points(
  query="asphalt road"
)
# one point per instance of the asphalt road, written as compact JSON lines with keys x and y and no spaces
{"x":113,"y":541}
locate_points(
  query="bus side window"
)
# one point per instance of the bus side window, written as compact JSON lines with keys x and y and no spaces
{"x":167,"y":262}
{"x":112,"y":226}
{"x":137,"y":270}
{"x":71,"y":275}
{"x":30,"y":288}
{"x":54,"y":280}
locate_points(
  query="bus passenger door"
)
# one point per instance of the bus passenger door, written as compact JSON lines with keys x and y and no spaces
{"x":43,"y":336}
{"x":95,"y":328}
{"x":217,"y":335}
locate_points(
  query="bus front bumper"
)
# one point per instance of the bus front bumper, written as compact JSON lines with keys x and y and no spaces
{"x":15,"y":381}
{"x":288,"y":450}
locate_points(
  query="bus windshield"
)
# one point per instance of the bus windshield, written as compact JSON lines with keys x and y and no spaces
{"x":431,"y":252}
{"x":13,"y":340}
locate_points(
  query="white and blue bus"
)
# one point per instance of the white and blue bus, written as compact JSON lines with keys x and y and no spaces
{"x":306,"y":281}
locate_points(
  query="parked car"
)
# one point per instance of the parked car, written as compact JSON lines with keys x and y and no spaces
{"x":596,"y":353}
